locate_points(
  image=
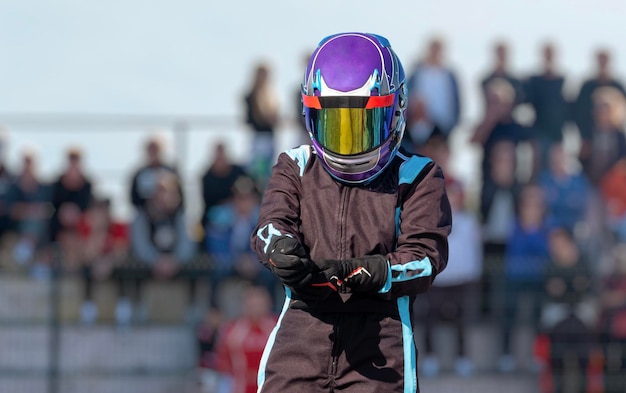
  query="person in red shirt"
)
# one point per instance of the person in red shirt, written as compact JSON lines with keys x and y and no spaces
{"x":241,"y":341}
{"x":612,"y":322}
{"x":104,"y":245}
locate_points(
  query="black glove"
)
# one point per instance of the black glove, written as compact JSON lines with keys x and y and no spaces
{"x":316,"y":287}
{"x":368,"y":273}
{"x":289,"y":261}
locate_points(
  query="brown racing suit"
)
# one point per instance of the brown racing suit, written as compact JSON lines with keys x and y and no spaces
{"x":352,"y":342}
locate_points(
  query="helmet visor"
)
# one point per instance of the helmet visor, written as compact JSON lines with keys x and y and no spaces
{"x":349,"y":125}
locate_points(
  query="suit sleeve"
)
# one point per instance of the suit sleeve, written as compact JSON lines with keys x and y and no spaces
{"x":424,"y":223}
{"x":280,"y":210}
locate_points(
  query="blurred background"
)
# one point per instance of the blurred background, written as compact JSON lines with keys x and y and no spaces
{"x":136,"y":139}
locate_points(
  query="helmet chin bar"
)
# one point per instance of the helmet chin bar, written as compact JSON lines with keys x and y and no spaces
{"x":352,"y":165}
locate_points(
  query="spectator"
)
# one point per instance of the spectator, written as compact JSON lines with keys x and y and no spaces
{"x":207,"y":335}
{"x":104,"y":246}
{"x":568,"y":192}
{"x":438,"y":150}
{"x":218,"y":181}
{"x":566,"y":317}
{"x":144,"y":180}
{"x":30,"y":209}
{"x":613,"y":193}
{"x":159,"y":244}
{"x":498,"y":123}
{"x":262,"y":115}
{"x":525,"y":262}
{"x":608,"y":142}
{"x":613,"y":323}
{"x":303,"y":134}
{"x":6,"y":179}
{"x":452,"y":296}
{"x":501,"y":71}
{"x":544,"y":93}
{"x":230,"y":223}
{"x":241,"y":341}
{"x":71,"y":194}
{"x":584,"y":107}
{"x":434,"y":103}
{"x":498,"y":204}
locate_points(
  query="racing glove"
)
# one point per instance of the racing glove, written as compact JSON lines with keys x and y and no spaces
{"x":364,"y":274}
{"x":289,"y":261}
{"x":316,"y":287}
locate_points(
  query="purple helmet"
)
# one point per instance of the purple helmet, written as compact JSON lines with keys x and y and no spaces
{"x":354,"y":101}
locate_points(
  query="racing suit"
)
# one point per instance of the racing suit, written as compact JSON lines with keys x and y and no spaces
{"x":352,"y":341}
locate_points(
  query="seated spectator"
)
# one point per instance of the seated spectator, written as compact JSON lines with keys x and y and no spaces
{"x":104,"y":245}
{"x":207,"y":334}
{"x":568,"y":193}
{"x":607,"y":144}
{"x":498,"y":204}
{"x":438,"y":149}
{"x":453,"y":298}
{"x":6,"y":179}
{"x":524,"y":265}
{"x":145,"y":178}
{"x":242,"y":341}
{"x":229,"y":224}
{"x":585,"y":104}
{"x":160,"y":245}
{"x":612,"y":325}
{"x":29,"y":211}
{"x":218,"y":181}
{"x":567,"y":316}
{"x":498,"y":123}
{"x":613,"y":193}
{"x":71,"y":194}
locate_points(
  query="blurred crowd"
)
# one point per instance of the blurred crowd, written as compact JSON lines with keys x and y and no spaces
{"x":65,"y":224}
{"x":538,"y":240}
{"x":541,"y":241}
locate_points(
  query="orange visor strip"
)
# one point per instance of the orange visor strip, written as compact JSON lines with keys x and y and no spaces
{"x":313,"y":102}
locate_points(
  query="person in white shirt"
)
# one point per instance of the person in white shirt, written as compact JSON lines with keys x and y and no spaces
{"x":454,"y":293}
{"x":434,"y":107}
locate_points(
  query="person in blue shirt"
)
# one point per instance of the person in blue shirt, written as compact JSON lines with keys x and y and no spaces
{"x":567,"y":192}
{"x":525,"y":260}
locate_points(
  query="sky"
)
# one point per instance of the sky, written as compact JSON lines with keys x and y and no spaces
{"x":195,"y":58}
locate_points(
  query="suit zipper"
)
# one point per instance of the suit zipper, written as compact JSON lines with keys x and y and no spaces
{"x":345,"y":192}
{"x":342,"y":222}
{"x":336,"y":349}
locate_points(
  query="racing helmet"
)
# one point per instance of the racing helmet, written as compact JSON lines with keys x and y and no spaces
{"x":354,"y":100}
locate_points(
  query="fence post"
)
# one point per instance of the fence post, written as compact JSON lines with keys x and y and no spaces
{"x":55,"y":323}
{"x":181,"y":145}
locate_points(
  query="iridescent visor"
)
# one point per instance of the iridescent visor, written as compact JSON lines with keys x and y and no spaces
{"x":349,"y":125}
